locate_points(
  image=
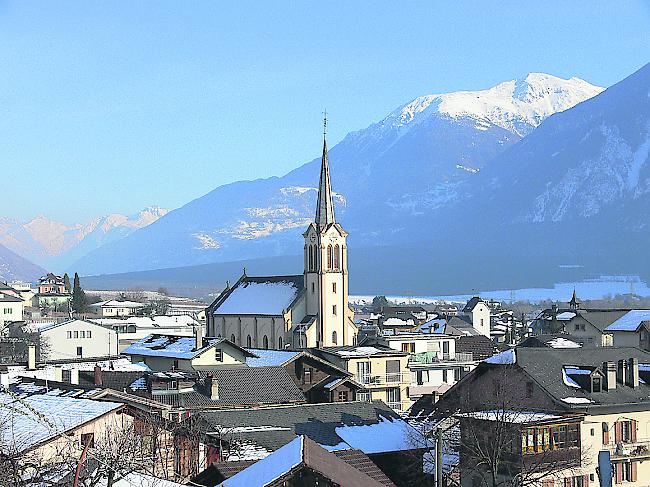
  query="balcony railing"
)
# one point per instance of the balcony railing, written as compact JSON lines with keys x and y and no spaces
{"x":380,"y":380}
{"x":439,"y":357}
{"x":395,"y":406}
{"x":631,"y":450}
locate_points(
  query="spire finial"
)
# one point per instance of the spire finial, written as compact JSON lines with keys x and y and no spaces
{"x":324,"y":123}
{"x":324,"y":205}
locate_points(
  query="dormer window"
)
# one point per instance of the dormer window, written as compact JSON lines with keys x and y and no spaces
{"x":596,"y":383}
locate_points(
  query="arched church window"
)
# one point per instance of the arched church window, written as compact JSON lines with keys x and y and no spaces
{"x":329,"y":257}
{"x":311,"y":258}
{"x":334,"y":337}
{"x":232,"y":338}
{"x":249,"y":342}
{"x":337,"y":258}
{"x":265,"y":341}
{"x":315,"y":257}
{"x":280,"y":343}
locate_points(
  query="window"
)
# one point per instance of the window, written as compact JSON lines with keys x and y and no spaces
{"x":249,"y":342}
{"x":83,"y":334}
{"x":343,"y":396}
{"x":334,"y":337}
{"x":445,"y":347}
{"x":408,"y":347}
{"x":265,"y":342}
{"x":334,"y":310}
{"x":595,"y":384}
{"x":444,"y":375}
{"x":218,"y":355}
{"x":337,"y":259}
{"x":363,"y":396}
{"x":76,"y":334}
{"x":89,"y":334}
{"x":311,"y":258}
{"x":393,"y":395}
{"x":173,"y":385}
{"x":624,"y":432}
{"x":175,"y":365}
{"x":313,"y":288}
{"x":329,"y":257}
{"x":79,"y":352}
{"x":232,"y":338}
{"x":306,"y":376}
{"x":456,"y":374}
{"x":625,"y":472}
{"x":363,"y":372}
{"x":529,"y":389}
{"x":280,"y":342}
{"x":334,"y":287}
{"x":88,"y":439}
{"x":69,"y":334}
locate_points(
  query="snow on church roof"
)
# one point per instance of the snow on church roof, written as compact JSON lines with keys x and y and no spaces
{"x":630,"y":321}
{"x":261,"y":296}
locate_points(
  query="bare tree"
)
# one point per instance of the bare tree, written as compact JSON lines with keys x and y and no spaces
{"x":500,"y":439}
{"x":135,"y":294}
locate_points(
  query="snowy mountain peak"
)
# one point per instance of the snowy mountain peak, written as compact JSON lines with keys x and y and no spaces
{"x":517,"y":105}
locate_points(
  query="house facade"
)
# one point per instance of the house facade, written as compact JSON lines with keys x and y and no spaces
{"x":113,"y":308}
{"x":78,"y":339}
{"x":304,"y":311}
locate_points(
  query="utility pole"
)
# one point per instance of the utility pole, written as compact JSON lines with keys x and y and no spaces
{"x":439,"y":458}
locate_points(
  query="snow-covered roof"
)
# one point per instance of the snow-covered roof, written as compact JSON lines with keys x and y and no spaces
{"x":114,"y":303}
{"x":35,"y":419}
{"x":384,"y":436}
{"x":397,"y":322}
{"x":560,"y":342}
{"x":256,"y":296}
{"x":140,"y":322}
{"x":630,"y":321}
{"x":170,"y":346}
{"x":565,"y":316}
{"x":51,"y":326}
{"x":266,"y":358}
{"x":505,"y":357}
{"x":265,"y":471}
{"x":511,"y":416}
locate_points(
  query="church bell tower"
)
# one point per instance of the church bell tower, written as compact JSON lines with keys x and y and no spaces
{"x":326,"y":268}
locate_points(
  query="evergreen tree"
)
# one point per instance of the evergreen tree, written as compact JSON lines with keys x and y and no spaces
{"x":79,"y":300}
{"x":66,"y":282}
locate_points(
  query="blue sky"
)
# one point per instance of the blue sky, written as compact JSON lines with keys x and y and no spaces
{"x":113,"y":106}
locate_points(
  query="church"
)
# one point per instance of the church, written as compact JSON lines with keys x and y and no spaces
{"x":301,"y":311}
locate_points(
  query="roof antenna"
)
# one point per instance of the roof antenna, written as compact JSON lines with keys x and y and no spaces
{"x":244,"y":270}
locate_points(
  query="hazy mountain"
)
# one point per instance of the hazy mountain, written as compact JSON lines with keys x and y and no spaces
{"x":395,"y":180}
{"x":14,"y":267}
{"x":55,"y":245}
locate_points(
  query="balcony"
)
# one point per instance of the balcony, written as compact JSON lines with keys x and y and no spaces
{"x":638,"y":449}
{"x":392,"y":379}
{"x":428,"y":358}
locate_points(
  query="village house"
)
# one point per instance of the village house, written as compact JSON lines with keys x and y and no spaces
{"x":76,"y":338}
{"x":380,"y":369}
{"x":375,"y":430}
{"x":473,"y":319}
{"x":561,"y":406}
{"x":114,"y":307}
{"x":631,"y":330}
{"x":11,"y":308}
{"x":303,"y":311}
{"x":170,"y":352}
{"x":51,"y":293}
{"x":302,"y":461}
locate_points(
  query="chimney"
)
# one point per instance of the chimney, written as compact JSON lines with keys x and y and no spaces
{"x":4,"y":379}
{"x":98,"y":376}
{"x":31,"y":357}
{"x":621,"y":367}
{"x":198,"y":334}
{"x":58,"y":374}
{"x":74,"y":376}
{"x":632,"y":372}
{"x":609,"y":370}
{"x":214,"y":389}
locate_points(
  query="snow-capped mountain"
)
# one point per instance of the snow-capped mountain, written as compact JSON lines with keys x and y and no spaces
{"x":396,"y":180}
{"x":55,"y":244}
{"x":15,"y":267}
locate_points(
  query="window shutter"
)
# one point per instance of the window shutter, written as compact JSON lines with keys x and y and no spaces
{"x":605,"y":433}
{"x":633,"y":468}
{"x":567,"y":482}
{"x":585,"y":480}
{"x":618,"y":432}
{"x":633,"y":432}
{"x":618,"y":469}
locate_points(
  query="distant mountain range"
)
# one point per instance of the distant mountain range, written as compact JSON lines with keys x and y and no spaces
{"x":527,"y":183}
{"x":14,"y":267}
{"x":390,"y":179}
{"x":56,"y":245}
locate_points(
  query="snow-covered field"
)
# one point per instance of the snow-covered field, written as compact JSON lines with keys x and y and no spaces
{"x":587,"y":289}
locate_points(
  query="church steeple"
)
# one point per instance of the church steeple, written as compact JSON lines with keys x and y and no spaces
{"x":324,"y":205}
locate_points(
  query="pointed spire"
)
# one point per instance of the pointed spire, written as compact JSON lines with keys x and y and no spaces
{"x":324,"y":205}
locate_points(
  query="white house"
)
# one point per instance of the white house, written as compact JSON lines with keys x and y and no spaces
{"x":131,"y":329}
{"x":78,"y":339}
{"x":116,"y":308}
{"x":478,"y":313}
{"x":11,"y":308}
